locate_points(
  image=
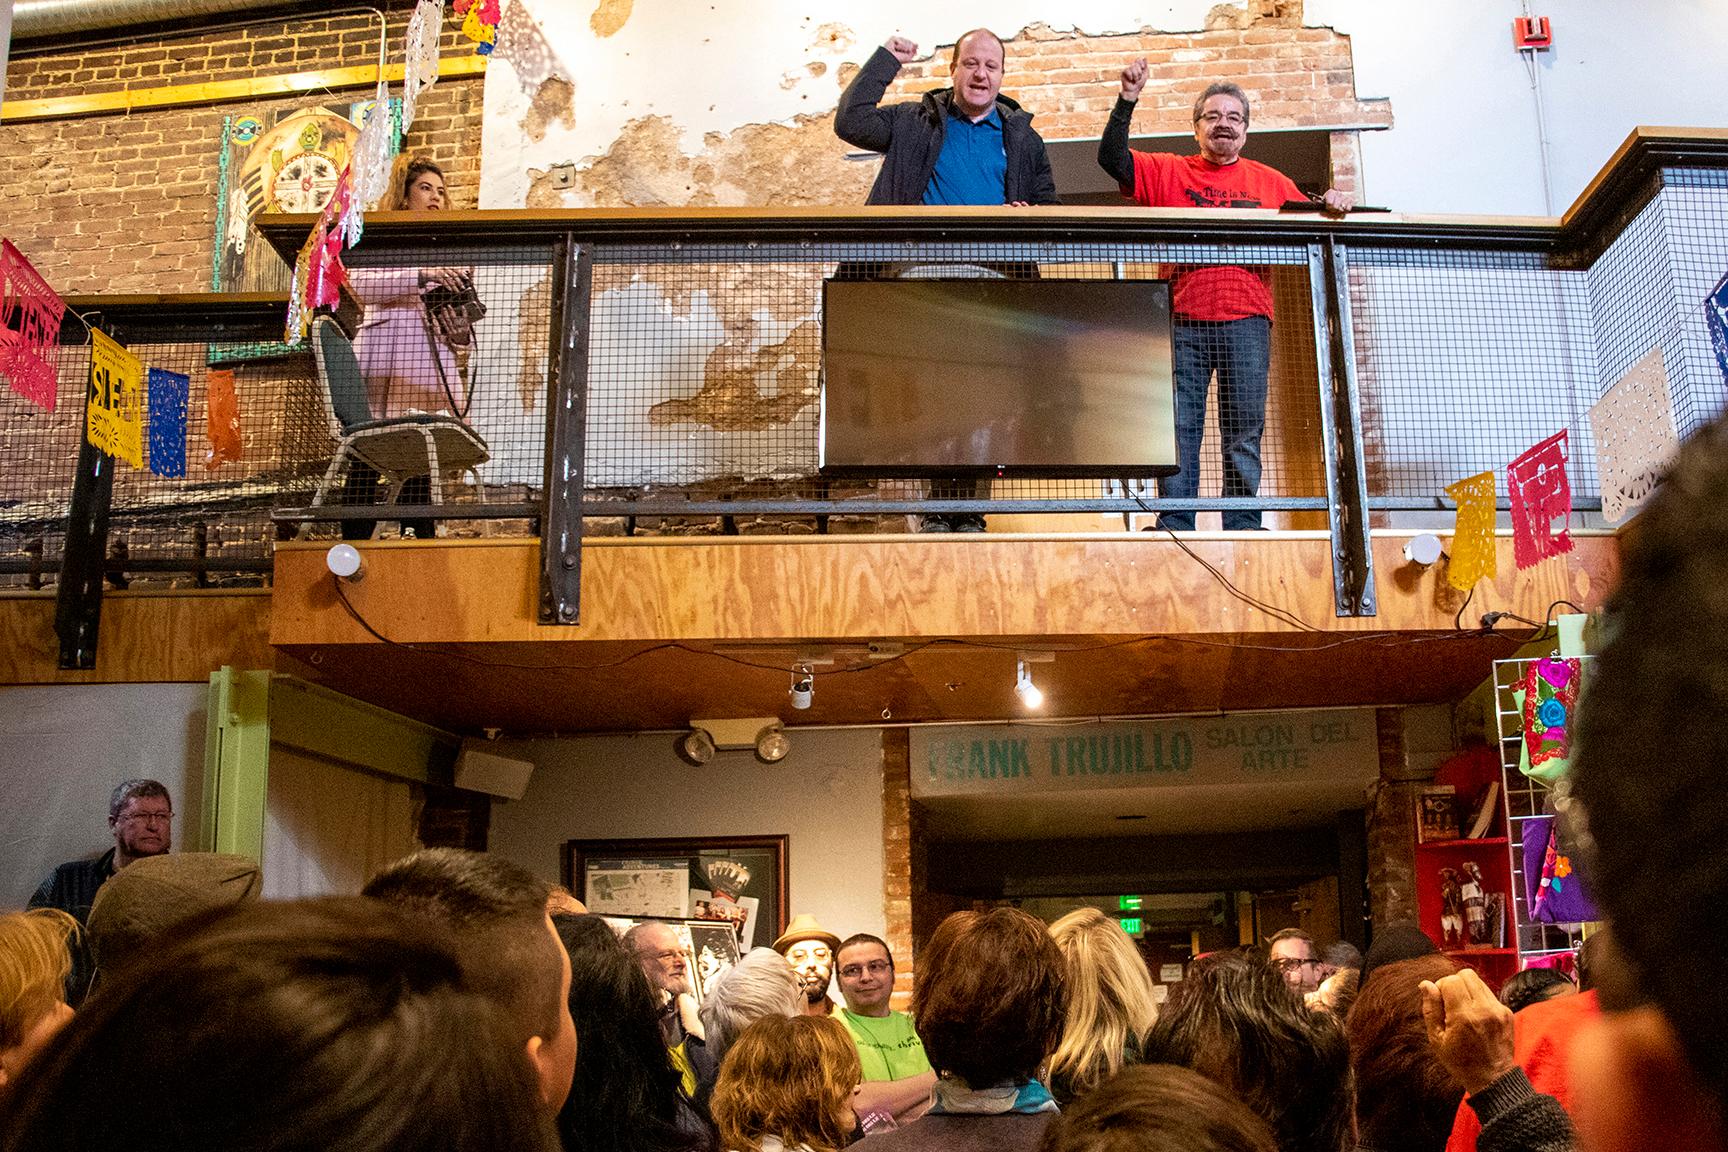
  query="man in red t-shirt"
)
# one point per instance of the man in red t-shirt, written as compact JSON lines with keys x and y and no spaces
{"x":1223,"y":312}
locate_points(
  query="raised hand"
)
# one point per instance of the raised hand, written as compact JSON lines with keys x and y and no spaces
{"x":901,"y":49}
{"x":1469,"y":1030}
{"x":1134,"y":78}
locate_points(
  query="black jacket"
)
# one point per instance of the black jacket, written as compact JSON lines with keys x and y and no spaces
{"x":909,"y":136}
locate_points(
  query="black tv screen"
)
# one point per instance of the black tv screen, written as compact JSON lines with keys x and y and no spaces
{"x":944,"y":378}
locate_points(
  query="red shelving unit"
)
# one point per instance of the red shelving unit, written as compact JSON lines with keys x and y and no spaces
{"x":1470,"y":772}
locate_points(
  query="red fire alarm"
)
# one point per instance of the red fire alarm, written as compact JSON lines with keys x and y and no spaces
{"x":1532,"y":33}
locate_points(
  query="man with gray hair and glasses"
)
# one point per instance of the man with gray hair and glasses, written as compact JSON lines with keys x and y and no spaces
{"x":1223,"y":313}
{"x":140,"y":818}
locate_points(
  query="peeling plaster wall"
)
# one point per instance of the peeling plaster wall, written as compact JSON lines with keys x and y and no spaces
{"x":1466,"y":137}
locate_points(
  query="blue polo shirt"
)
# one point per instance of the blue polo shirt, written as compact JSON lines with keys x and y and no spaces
{"x":973,"y":166}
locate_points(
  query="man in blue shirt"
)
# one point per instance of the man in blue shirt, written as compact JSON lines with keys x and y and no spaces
{"x":965,"y":144}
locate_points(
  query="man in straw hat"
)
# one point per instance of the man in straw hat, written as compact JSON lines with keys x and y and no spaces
{"x":810,"y":949}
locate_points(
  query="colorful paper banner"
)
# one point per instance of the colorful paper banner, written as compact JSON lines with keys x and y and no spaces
{"x":1541,"y":502}
{"x":30,"y":314}
{"x":420,"y":69}
{"x":1635,"y":438}
{"x":168,"y":392}
{"x":113,"y":409}
{"x":1473,"y":555}
{"x":222,"y":419}
{"x":1716,"y":319}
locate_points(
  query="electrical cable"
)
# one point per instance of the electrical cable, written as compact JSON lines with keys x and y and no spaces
{"x":1280,"y":614}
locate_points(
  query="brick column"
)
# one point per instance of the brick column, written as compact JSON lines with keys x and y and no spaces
{"x":897,"y":856}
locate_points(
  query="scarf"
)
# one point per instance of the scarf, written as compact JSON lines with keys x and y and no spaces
{"x":954,"y":1098}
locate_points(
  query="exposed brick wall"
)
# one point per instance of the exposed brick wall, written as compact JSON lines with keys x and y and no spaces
{"x":127,"y":202}
{"x":897,"y":856}
{"x":1294,"y":77}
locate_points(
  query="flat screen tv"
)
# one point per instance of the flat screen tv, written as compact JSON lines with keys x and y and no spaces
{"x":940,"y":378}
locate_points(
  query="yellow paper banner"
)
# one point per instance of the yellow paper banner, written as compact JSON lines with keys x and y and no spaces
{"x":1473,"y":552}
{"x":113,"y":409}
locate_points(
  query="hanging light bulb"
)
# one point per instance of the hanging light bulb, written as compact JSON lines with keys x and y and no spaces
{"x":1028,"y":692}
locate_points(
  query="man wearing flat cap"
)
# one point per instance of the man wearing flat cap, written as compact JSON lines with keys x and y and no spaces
{"x":810,"y":949}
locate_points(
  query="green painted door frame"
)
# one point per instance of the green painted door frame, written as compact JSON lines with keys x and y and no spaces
{"x":249,"y":712}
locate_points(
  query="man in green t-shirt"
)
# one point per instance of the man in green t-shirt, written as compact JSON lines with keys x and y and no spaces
{"x":897,"y":1075}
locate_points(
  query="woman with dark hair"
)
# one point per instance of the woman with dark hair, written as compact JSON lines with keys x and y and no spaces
{"x":1159,"y":1108}
{"x":1405,"y":1097}
{"x":787,"y":1085}
{"x":626,"y":1095}
{"x":1534,"y":985}
{"x":416,"y":329}
{"x":990,"y":1003}
{"x":1235,"y":1021}
{"x":342,"y":1025}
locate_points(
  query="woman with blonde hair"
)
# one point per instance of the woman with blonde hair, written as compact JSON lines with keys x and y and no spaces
{"x":787,"y":1085}
{"x":35,"y":959}
{"x":1110,"y":1005}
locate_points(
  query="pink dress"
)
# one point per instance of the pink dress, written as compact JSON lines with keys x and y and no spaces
{"x":399,"y":356}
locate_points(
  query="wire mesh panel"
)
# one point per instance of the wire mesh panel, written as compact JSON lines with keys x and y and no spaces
{"x":1465,"y":359}
{"x":214,"y":521}
{"x":705,"y":368}
{"x":1648,"y":290}
{"x":428,"y":395}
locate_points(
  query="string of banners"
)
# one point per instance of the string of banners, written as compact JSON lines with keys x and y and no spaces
{"x":318,"y":270}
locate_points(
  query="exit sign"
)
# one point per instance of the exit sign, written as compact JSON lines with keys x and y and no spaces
{"x":1132,"y":925}
{"x":1129,"y":903}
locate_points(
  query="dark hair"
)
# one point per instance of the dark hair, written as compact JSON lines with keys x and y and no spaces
{"x":1221,"y":88}
{"x":406,"y":170}
{"x":1532,"y":986}
{"x":1401,"y":941}
{"x":1239,"y":1023}
{"x":1158,"y":1108}
{"x":863,"y":938}
{"x":1405,"y":1098}
{"x":1651,"y":746}
{"x":625,"y":1095}
{"x":496,"y":912}
{"x":332,"y":1024}
{"x":988,"y":997}
{"x":1293,"y":934}
{"x":954,"y":57}
{"x":138,"y":789}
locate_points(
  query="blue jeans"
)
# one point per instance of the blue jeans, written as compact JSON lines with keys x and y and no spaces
{"x":1241,"y":353}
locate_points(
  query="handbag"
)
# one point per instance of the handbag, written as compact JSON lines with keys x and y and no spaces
{"x":453,"y":309}
{"x":1548,"y":703}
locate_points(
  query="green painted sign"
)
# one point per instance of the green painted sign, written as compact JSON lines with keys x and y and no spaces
{"x":1242,"y":749}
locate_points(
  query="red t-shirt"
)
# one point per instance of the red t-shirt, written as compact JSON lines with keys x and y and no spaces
{"x":1165,"y":180}
{"x":1542,"y":1037}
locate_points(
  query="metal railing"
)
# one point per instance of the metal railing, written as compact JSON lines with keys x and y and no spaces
{"x":649,"y":371}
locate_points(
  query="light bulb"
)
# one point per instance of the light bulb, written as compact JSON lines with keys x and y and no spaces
{"x":1028,"y":692}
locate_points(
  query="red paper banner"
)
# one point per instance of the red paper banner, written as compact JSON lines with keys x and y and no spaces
{"x":30,"y":313}
{"x":223,"y":419}
{"x":1541,"y":502}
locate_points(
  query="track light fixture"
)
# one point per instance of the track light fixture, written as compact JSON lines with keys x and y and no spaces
{"x":803,"y":688}
{"x":1030,"y":696}
{"x":772,"y":745}
{"x":706,"y":737}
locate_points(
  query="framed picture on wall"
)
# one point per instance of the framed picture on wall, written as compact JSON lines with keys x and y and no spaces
{"x":710,"y":947}
{"x":738,"y":880}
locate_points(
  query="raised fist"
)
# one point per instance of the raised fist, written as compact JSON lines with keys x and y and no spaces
{"x":1134,"y":79}
{"x":901,"y":49}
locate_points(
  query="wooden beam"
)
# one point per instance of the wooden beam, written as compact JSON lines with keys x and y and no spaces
{"x":224,"y":91}
{"x":147,"y":637}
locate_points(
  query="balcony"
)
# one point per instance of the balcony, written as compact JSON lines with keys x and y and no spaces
{"x":649,"y":538}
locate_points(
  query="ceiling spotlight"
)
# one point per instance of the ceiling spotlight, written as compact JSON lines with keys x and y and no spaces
{"x":1028,"y":692}
{"x":1422,"y":550}
{"x":346,"y":563}
{"x":772,"y":745}
{"x":696,"y":746}
{"x":803,"y":686}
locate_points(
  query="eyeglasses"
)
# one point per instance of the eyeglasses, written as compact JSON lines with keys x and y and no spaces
{"x":146,"y":818}
{"x":1234,"y":119}
{"x":666,"y":956}
{"x":1288,"y":965}
{"x":874,"y":967}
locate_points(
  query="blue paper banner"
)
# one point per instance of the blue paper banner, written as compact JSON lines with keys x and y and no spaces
{"x":168,"y":422}
{"x":1716,"y":316}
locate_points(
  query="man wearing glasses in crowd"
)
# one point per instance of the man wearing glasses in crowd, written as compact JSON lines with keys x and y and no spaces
{"x":1223,"y":313}
{"x":140,"y":815}
{"x":1293,"y":954}
{"x":897,"y":1075}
